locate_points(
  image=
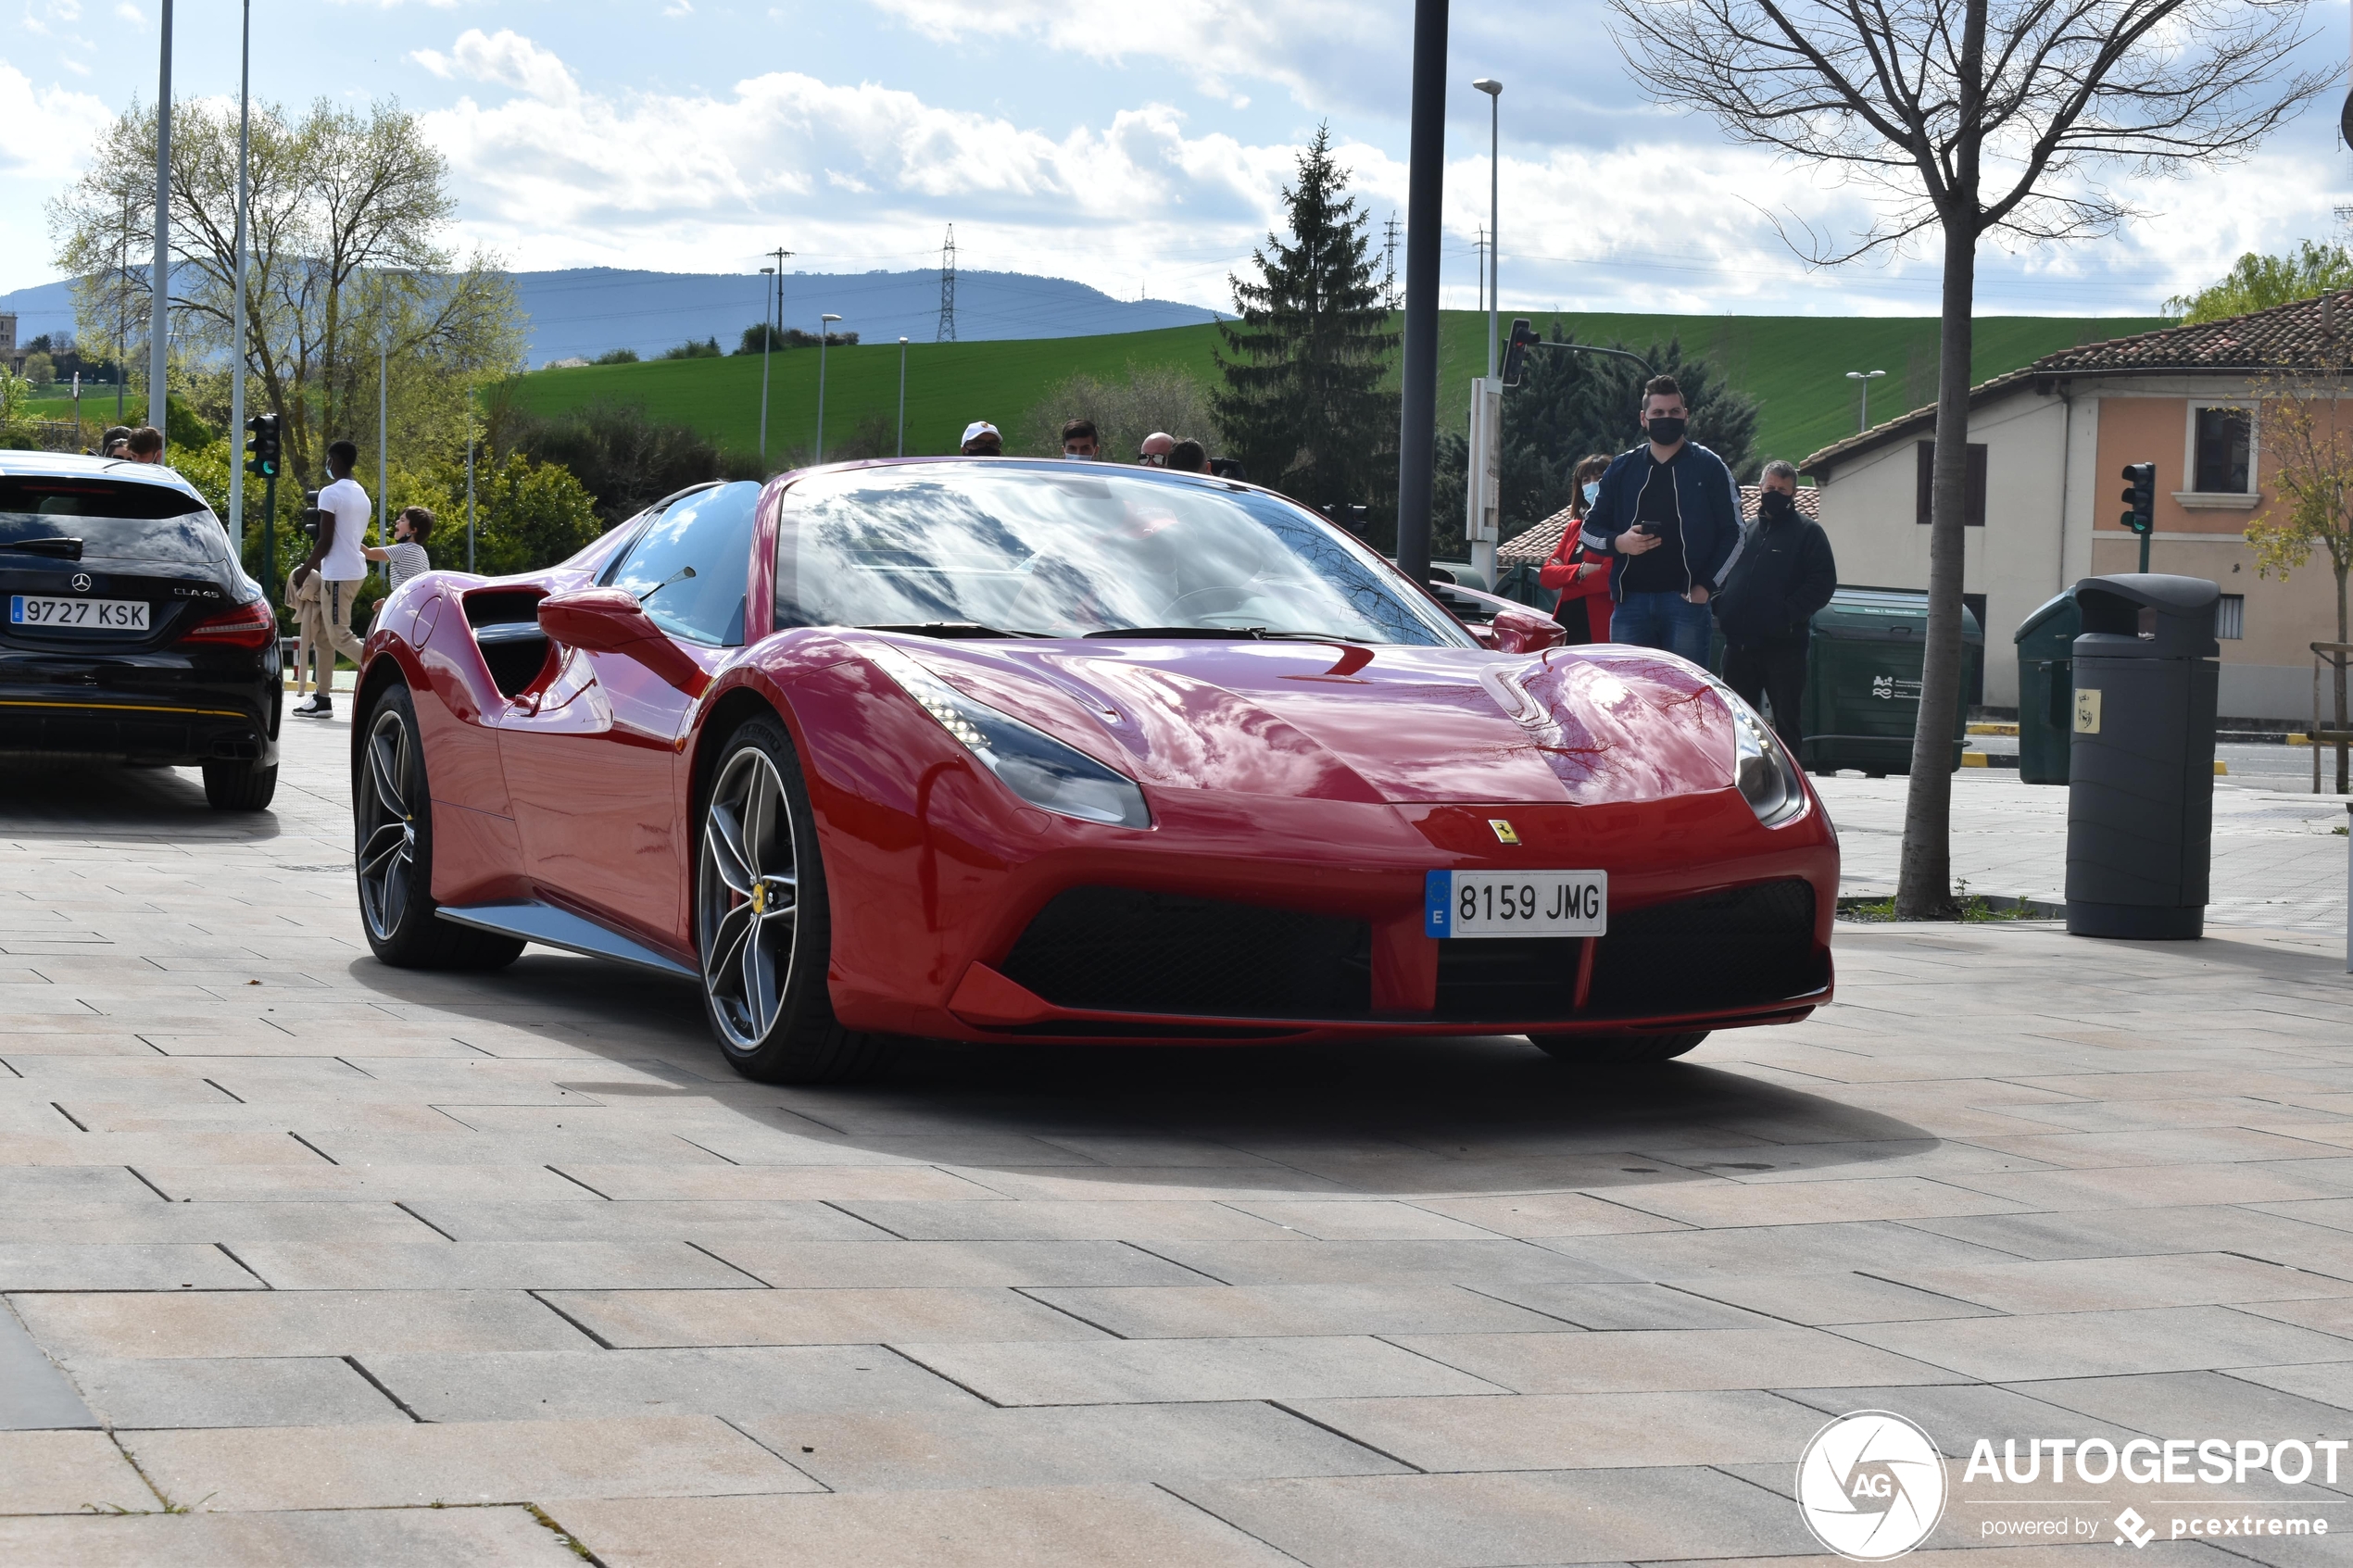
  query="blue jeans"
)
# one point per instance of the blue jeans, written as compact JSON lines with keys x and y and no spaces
{"x":1662,"y":621}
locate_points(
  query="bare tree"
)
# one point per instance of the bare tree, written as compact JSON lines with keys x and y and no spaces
{"x":1972,"y":117}
{"x":2307,"y":440}
{"x":347,"y":212}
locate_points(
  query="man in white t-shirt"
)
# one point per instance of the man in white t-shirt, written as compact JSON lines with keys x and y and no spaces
{"x":338,"y":559}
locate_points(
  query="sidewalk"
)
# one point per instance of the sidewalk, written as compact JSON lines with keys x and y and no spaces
{"x":2277,"y":864}
{"x":305,"y":1260}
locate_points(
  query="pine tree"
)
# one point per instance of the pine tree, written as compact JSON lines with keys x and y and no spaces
{"x":1304,"y":405}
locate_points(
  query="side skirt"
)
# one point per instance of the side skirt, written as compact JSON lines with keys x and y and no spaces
{"x":552,"y":927}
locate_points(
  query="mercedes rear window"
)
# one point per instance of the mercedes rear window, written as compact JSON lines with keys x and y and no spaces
{"x":113,"y":518}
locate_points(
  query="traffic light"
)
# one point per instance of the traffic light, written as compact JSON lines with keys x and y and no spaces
{"x":1524,"y":337}
{"x":2139,"y":497}
{"x":261,"y":446}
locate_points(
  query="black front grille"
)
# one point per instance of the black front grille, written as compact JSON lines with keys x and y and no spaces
{"x":1517,"y":977}
{"x":1745,"y":945}
{"x":1115,"y":949}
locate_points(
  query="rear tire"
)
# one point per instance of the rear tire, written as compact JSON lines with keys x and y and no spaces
{"x":1615,"y":1050}
{"x":392,"y":816}
{"x":240,"y":786}
{"x":762,"y":922}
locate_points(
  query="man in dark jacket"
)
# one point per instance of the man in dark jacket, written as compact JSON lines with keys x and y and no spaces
{"x":1781,"y":573}
{"x":1669,"y":516}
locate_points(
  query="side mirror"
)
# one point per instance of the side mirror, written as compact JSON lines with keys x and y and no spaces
{"x":610,"y":620}
{"x":1518,"y":630}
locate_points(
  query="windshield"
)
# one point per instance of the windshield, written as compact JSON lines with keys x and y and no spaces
{"x":126,"y":522}
{"x":1066,"y":552}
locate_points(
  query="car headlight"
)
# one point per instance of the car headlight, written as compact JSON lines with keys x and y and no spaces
{"x":1033,"y":764}
{"x":1767,"y":780}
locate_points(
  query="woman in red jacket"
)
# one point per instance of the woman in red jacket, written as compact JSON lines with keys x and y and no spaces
{"x":1584,"y":580}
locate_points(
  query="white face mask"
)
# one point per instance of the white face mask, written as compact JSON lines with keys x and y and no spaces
{"x":1593,"y":488}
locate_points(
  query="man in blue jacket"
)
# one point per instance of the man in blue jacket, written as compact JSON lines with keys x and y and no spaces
{"x":1668,"y":513}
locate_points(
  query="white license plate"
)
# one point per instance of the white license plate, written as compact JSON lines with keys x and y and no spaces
{"x":1516,"y":904}
{"x":112,"y":615}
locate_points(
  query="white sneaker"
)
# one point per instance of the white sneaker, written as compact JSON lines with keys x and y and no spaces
{"x":313,"y":707}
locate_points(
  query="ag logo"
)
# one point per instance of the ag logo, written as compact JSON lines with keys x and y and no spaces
{"x":81,"y":581}
{"x":1871,"y":1486}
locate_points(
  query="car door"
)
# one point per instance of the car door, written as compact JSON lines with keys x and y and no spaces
{"x":592,"y":754}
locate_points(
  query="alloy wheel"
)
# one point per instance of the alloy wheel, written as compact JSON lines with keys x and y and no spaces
{"x":747,"y":898}
{"x":388,"y":844}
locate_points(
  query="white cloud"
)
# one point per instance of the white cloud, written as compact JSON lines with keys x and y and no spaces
{"x":45,"y":131}
{"x":132,"y":14}
{"x":554,"y":175}
{"x":1307,"y":45}
{"x":507,"y":59}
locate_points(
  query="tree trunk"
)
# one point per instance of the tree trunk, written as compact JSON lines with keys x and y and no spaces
{"x":1924,"y":885}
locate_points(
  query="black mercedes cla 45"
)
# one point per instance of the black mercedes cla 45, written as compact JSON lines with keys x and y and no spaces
{"x":128,"y":631}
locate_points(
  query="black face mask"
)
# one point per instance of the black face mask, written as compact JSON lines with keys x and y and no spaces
{"x":1775,"y":505}
{"x":1663,"y":429}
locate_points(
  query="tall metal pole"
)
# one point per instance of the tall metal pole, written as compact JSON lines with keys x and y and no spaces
{"x":1425,"y":193}
{"x":237,"y":336}
{"x":767,"y":341}
{"x":1494,"y":215}
{"x":159,"y":320}
{"x":825,"y":331}
{"x":470,"y":482}
{"x":383,"y":437}
{"x":902,"y":396}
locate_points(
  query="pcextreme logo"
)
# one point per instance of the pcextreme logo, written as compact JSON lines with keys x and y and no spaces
{"x":1871,"y":1486}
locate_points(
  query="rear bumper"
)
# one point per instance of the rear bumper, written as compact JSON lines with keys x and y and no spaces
{"x":139,"y":715}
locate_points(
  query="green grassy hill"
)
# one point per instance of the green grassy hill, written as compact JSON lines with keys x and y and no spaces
{"x":1794,"y":365}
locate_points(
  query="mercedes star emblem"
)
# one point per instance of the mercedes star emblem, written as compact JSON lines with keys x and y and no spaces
{"x":81,"y":581}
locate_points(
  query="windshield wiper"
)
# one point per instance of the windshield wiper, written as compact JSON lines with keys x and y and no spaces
{"x":948,"y":629}
{"x":66,"y":549}
{"x":1226,"y":633}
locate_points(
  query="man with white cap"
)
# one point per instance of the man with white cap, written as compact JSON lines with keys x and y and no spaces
{"x":981,"y":440}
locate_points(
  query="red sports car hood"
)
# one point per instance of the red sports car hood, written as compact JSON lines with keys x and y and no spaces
{"x":1399,"y":725}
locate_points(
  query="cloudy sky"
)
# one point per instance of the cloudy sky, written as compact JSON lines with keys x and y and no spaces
{"x":1138,"y":147}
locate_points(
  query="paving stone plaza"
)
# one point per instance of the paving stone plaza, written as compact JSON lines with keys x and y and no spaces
{"x":308,"y":1261}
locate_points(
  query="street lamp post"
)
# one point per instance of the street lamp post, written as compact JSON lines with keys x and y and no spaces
{"x":766,"y":343}
{"x":825,"y":331}
{"x":1863,"y":382}
{"x":902,"y":396}
{"x":159,"y":317}
{"x":237,"y":334}
{"x":1483,"y":526}
{"x":1495,"y":91}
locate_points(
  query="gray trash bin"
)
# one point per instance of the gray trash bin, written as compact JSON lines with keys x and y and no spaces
{"x":2140,"y":803}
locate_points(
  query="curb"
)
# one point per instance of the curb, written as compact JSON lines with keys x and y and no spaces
{"x":2035,"y":909}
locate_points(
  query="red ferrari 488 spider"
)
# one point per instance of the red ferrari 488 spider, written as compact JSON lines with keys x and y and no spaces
{"x":990,"y":749}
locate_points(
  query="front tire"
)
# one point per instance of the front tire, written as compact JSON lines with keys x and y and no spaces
{"x":762,"y":923}
{"x":240,"y":786}
{"x":1615,"y":1050}
{"x":392,"y":816}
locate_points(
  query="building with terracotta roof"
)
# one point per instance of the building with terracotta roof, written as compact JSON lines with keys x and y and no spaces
{"x":2047,"y":448}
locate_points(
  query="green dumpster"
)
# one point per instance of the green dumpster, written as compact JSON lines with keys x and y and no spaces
{"x":2047,"y":689}
{"x":1862,"y":680}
